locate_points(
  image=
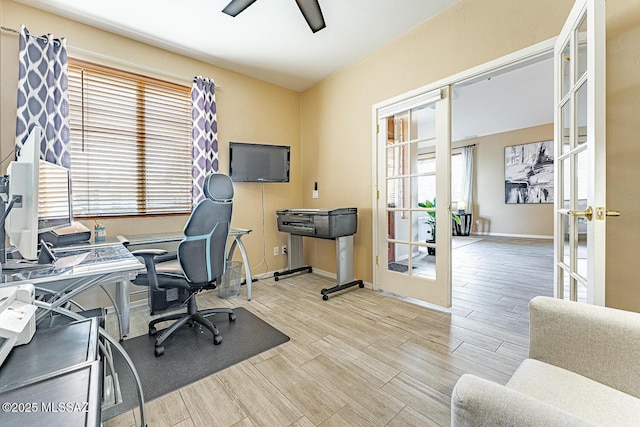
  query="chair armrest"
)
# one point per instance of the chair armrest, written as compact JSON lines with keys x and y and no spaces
{"x":149,"y":256}
{"x":600,"y":343}
{"x":477,"y":402}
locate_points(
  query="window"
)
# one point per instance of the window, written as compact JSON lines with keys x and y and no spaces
{"x":130,"y":143}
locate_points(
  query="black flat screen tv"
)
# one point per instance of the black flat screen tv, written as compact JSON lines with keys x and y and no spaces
{"x":258,"y":162}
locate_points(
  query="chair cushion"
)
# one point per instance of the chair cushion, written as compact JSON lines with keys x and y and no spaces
{"x":576,"y":394}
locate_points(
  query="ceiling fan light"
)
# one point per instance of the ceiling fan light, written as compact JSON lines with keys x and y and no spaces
{"x":312,"y":14}
{"x":236,"y":6}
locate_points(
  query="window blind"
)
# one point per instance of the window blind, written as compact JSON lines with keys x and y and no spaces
{"x":130,"y":143}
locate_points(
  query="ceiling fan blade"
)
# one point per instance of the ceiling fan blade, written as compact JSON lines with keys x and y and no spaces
{"x":236,"y":6}
{"x":311,"y":11}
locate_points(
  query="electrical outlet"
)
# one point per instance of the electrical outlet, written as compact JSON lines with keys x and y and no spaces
{"x":284,"y":249}
{"x":275,"y":251}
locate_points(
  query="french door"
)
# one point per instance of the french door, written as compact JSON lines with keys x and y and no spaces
{"x":580,"y":203}
{"x":413,"y":197}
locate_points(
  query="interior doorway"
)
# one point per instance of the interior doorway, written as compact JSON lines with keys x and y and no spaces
{"x":480,"y":81}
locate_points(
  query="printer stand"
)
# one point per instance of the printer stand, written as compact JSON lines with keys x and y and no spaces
{"x":344,"y":263}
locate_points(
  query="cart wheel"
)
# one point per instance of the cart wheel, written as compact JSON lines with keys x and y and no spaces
{"x":159,"y":350}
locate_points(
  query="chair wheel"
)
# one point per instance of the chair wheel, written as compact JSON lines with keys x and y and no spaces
{"x":325,"y":297}
{"x":361,"y":285}
{"x":323,"y":291}
{"x":232,"y":317}
{"x":159,"y":350}
{"x":217,"y":339}
{"x":153,"y":331}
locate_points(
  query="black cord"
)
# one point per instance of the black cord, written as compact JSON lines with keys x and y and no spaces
{"x":9,"y":155}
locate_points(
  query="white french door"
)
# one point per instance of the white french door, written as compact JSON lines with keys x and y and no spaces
{"x":580,"y":202}
{"x":413,"y":174}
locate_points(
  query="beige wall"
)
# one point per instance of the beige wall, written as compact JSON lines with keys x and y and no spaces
{"x":249,"y":110}
{"x":336,"y":115}
{"x":491,"y":214}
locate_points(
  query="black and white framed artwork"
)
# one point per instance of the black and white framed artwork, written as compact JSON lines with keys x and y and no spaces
{"x":528,"y":173}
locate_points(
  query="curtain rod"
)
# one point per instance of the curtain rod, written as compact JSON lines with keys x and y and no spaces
{"x":465,"y":146}
{"x":11,"y":30}
{"x":143,"y":67}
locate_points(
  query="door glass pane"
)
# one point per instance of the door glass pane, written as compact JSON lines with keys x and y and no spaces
{"x":396,"y":160}
{"x":581,"y":37}
{"x":566,"y":126}
{"x":581,"y":114}
{"x":413,"y":158}
{"x":397,"y":192}
{"x":565,"y":69}
{"x":565,"y":177}
{"x":581,"y":289}
{"x":423,"y":122}
{"x":565,"y":172}
{"x":424,"y":190}
{"x":398,"y":257}
{"x":566,"y":283}
{"x":423,"y":262}
{"x":582,"y":236}
{"x":566,"y":248}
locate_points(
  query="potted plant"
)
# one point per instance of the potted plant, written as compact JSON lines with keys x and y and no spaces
{"x":431,"y":219}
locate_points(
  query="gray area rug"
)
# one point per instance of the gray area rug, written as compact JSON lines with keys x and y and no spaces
{"x":190,"y":356}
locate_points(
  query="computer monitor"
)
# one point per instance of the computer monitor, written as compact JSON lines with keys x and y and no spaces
{"x":45,"y":192}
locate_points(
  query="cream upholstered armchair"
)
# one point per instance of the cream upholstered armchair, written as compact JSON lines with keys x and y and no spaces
{"x":583,"y":369}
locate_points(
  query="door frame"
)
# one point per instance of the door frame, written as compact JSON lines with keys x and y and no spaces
{"x":505,"y":63}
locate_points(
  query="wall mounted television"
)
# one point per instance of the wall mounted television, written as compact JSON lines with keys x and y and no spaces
{"x":250,"y":162}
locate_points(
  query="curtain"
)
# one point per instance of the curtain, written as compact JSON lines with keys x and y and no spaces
{"x":43,"y":95}
{"x":467,"y":177}
{"x":204,"y":134}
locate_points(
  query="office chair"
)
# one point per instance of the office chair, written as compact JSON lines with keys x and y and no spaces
{"x":201,"y":257}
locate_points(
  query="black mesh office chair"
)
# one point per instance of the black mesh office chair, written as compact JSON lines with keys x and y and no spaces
{"x":201,"y":258}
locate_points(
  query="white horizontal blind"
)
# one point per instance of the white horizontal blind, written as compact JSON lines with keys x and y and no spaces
{"x":130,"y":143}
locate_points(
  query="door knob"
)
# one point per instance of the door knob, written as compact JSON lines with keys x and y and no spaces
{"x":587,"y":213}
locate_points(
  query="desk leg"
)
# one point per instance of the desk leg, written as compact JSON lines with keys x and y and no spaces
{"x":247,"y":269}
{"x":123,"y":303}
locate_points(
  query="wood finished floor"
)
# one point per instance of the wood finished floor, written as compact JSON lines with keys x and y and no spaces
{"x":366,"y":359}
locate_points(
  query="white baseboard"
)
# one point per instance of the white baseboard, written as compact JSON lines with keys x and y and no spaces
{"x":519,"y":236}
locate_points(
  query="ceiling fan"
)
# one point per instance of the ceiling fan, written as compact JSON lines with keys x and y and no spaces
{"x":310,"y":10}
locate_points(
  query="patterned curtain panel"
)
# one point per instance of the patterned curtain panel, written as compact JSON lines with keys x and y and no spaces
{"x":204,"y":133}
{"x":43,"y":96}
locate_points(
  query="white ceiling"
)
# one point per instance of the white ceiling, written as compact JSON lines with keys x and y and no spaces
{"x":271,"y":41}
{"x":516,"y":99}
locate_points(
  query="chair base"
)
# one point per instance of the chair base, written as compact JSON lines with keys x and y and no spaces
{"x":191,"y":317}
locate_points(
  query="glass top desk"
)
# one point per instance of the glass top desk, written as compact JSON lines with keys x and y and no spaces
{"x":157,"y":238}
{"x":77,"y":269}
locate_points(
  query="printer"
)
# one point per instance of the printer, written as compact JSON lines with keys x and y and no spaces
{"x":320,"y":223}
{"x":17,"y":317}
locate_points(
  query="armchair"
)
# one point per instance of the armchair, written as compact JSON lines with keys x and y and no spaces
{"x":201,"y":258}
{"x":582,"y":370}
